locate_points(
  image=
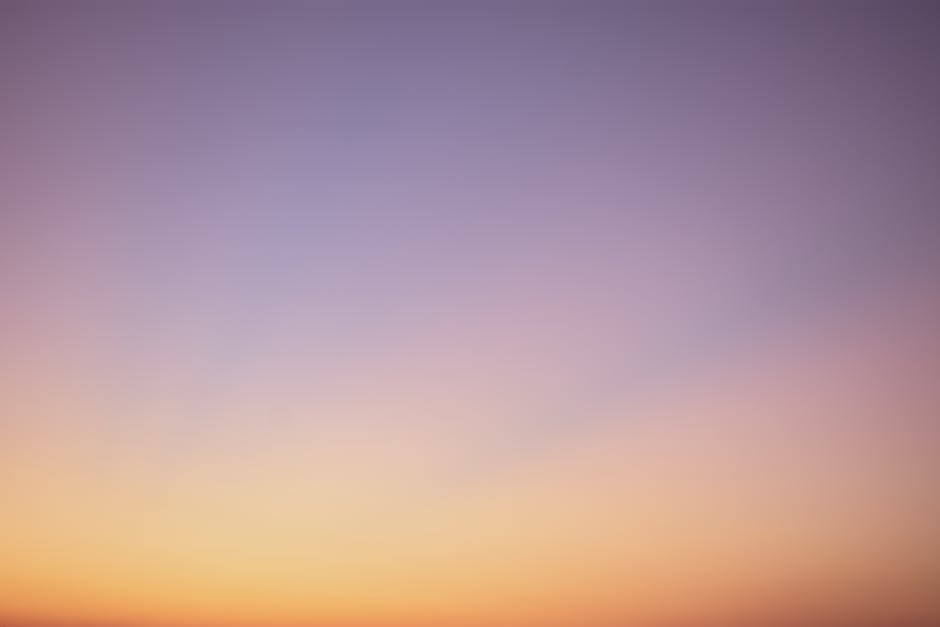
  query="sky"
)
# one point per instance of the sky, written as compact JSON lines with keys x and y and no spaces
{"x":469,"y":314}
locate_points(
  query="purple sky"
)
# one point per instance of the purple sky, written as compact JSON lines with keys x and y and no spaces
{"x":475,"y":239}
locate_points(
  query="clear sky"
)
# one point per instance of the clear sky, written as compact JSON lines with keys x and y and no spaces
{"x":459,"y":314}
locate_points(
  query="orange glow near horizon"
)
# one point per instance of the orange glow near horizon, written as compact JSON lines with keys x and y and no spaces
{"x":693,"y":518}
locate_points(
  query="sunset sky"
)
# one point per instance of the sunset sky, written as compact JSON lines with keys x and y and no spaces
{"x":469,"y":314}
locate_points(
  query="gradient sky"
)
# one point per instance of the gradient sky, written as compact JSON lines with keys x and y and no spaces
{"x":414,"y":314}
